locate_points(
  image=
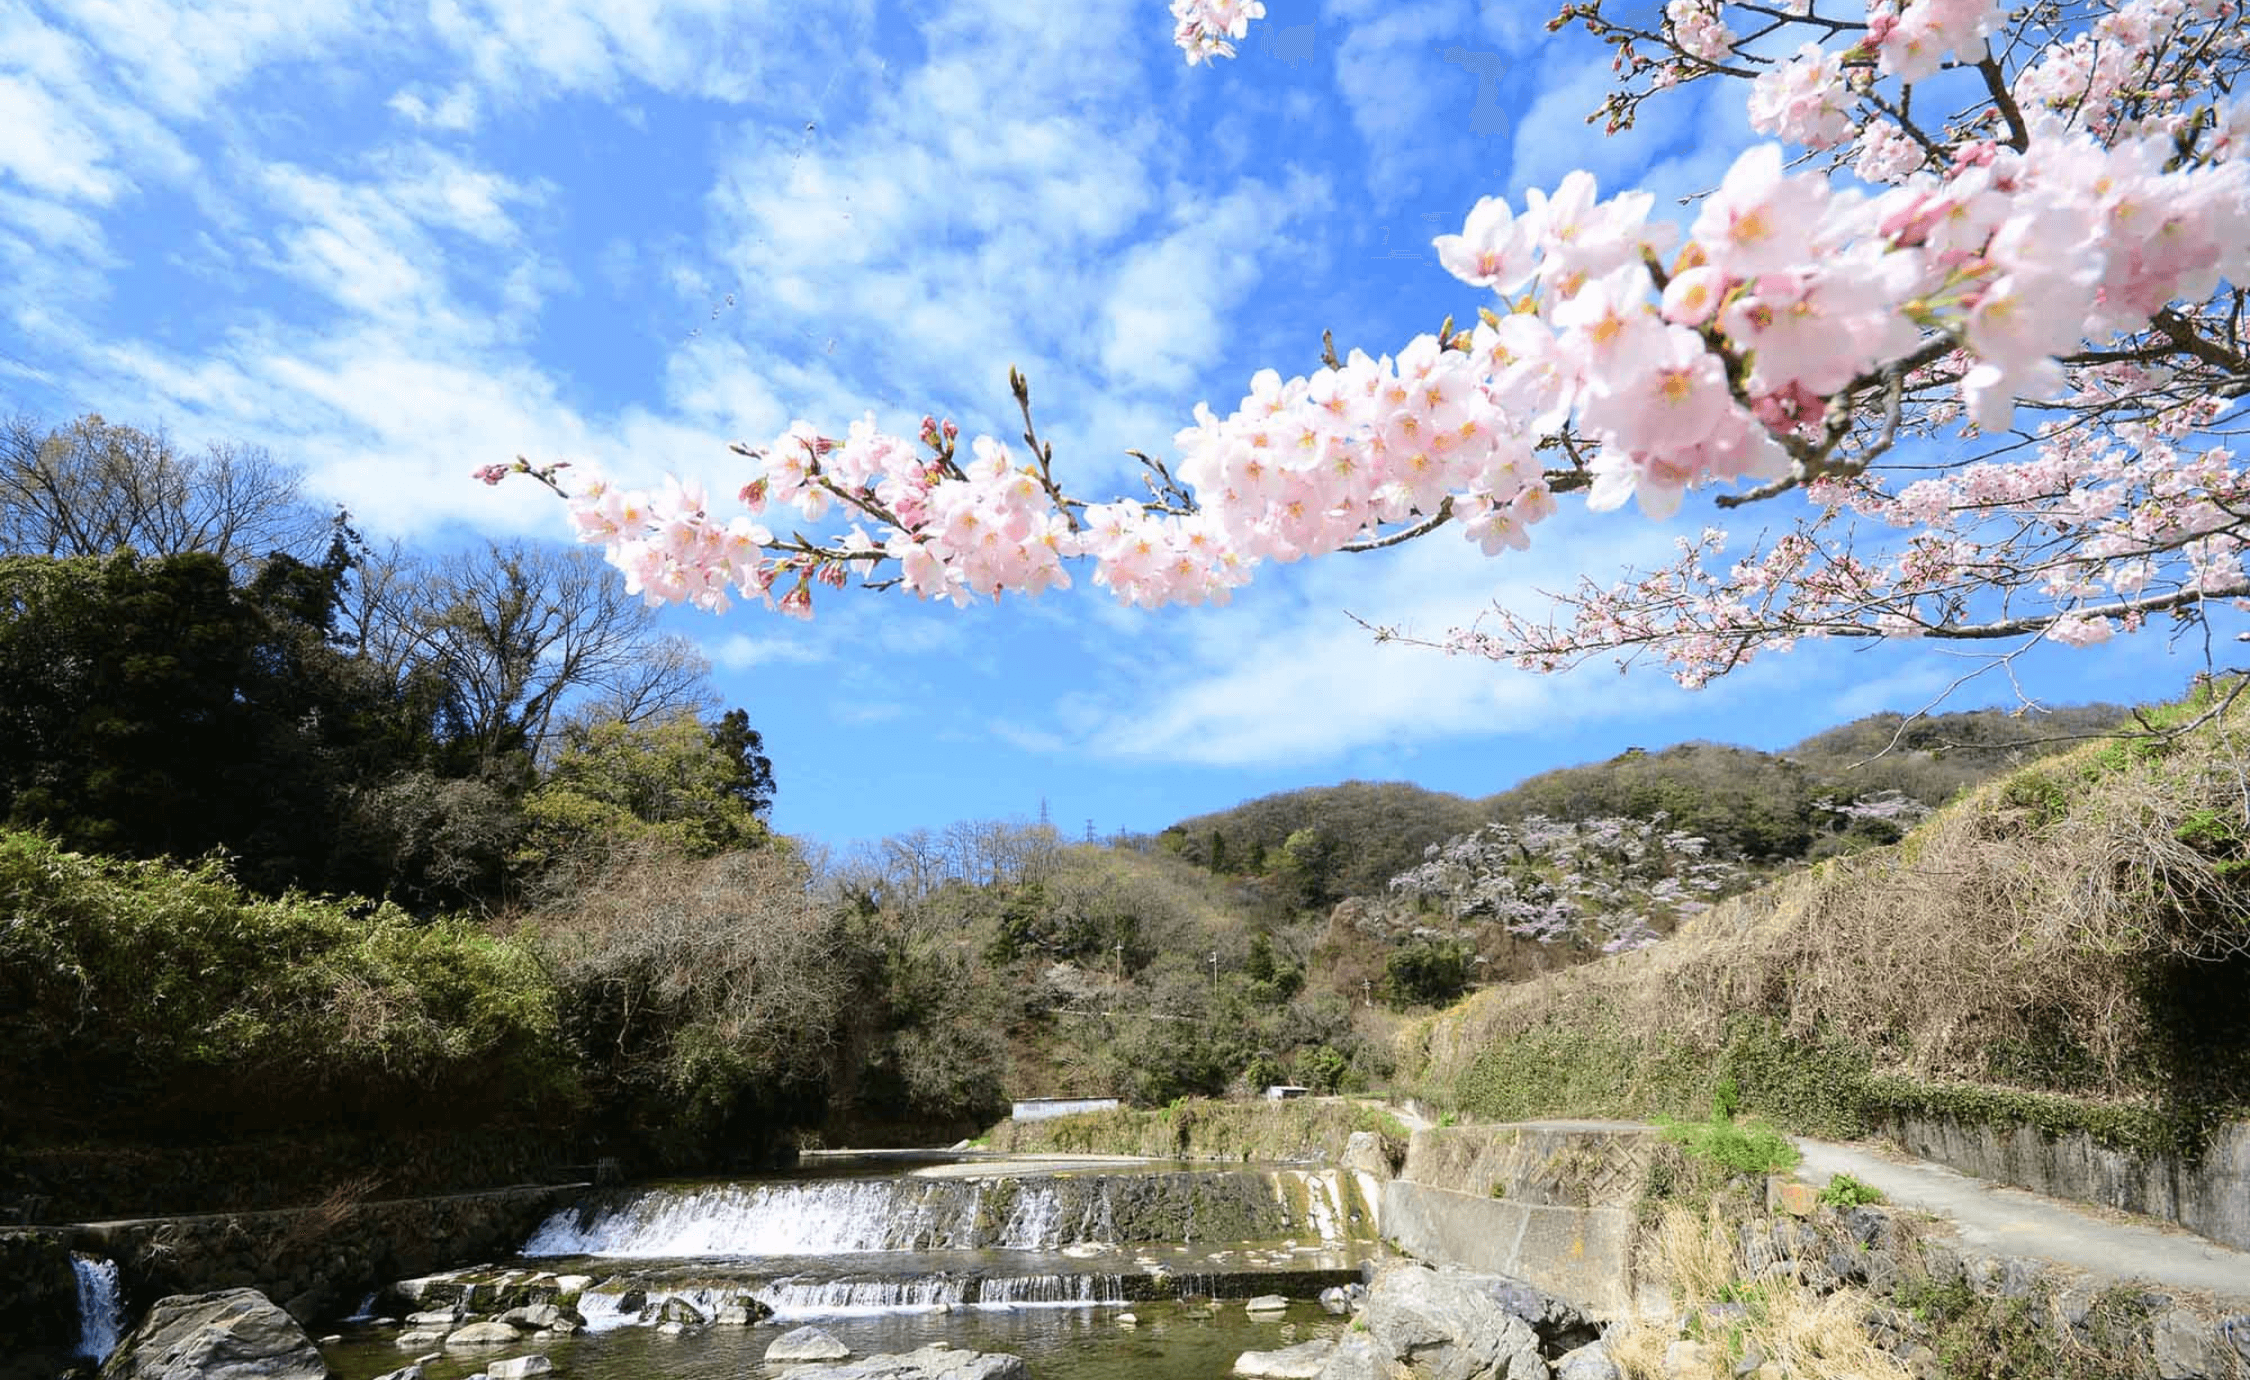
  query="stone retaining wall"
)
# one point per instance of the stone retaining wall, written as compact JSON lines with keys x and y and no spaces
{"x":85,"y":1183}
{"x":1574,"y":1164}
{"x":2210,"y":1196}
{"x":316,"y":1262}
{"x":38,"y":1292}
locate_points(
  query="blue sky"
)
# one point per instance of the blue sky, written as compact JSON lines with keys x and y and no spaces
{"x":395,"y":242}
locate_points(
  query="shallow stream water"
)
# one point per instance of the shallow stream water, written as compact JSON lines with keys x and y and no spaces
{"x":890,"y":1254}
{"x":1056,"y":1343}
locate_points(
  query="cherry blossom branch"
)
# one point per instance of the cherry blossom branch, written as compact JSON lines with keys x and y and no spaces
{"x":1403,"y":535}
{"x":1790,"y":340}
{"x":1996,"y":84}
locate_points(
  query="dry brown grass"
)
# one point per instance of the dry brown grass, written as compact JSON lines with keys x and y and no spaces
{"x":323,"y":1220}
{"x":2026,"y":915}
{"x":1806,"y":1333}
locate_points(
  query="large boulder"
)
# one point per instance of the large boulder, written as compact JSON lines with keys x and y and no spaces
{"x":1357,"y":1356}
{"x":520,"y":1368}
{"x":1450,"y":1329}
{"x":1300,"y":1362}
{"x":2187,"y":1348}
{"x":1589,"y":1362}
{"x":233,"y":1334}
{"x":542,"y":1317}
{"x":478,"y":1334}
{"x":741,"y":1311}
{"x":930,"y":1363}
{"x":679,"y":1310}
{"x":806,"y":1344}
{"x":1561,"y":1327}
{"x":1364,"y":1154}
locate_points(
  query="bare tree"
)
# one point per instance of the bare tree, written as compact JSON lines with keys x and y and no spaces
{"x":671,"y":675}
{"x":519,"y":636}
{"x":93,"y":486}
{"x":735,"y":952}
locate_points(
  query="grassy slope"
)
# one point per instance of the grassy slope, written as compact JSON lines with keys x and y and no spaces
{"x":1306,"y":1128}
{"x":2066,"y":945}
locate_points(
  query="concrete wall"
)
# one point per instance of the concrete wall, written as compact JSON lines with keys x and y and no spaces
{"x":2210,"y":1196}
{"x":1040,"y":1108}
{"x":1581,"y":1255}
{"x":1546,"y":1203}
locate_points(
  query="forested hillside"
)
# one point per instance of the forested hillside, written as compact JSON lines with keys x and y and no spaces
{"x":321,"y":852}
{"x":1330,"y":842}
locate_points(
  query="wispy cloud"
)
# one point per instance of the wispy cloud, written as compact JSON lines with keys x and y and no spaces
{"x":1293,"y":679}
{"x":1388,"y":70}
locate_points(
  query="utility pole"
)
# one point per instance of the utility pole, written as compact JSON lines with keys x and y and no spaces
{"x":1367,"y":991}
{"x":1120,"y":960}
{"x":1214,"y":975}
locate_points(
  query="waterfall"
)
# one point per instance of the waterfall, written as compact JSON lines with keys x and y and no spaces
{"x":1324,"y":1215}
{"x":805,"y":1296}
{"x":763,"y":1219}
{"x":1035,"y":1222}
{"x":101,"y":1312}
{"x":1051,"y":1291}
{"x":625,"y":1302}
{"x":1028,"y":1213}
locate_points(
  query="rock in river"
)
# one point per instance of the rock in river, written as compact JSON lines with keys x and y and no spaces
{"x":482,"y":1334}
{"x":929,"y":1363}
{"x":234,"y":1334}
{"x":1300,"y":1362}
{"x":806,"y":1344}
{"x":1450,"y":1330}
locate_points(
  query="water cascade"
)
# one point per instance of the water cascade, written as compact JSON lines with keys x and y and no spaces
{"x":956,"y":1238}
{"x":101,"y":1310}
{"x":1032,"y":1213}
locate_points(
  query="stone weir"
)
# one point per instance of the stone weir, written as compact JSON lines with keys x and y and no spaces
{"x":954,"y":1238}
{"x":1016,"y":1212}
{"x":606,"y":1297}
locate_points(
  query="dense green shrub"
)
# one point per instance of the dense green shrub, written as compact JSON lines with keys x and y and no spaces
{"x":161,"y":997}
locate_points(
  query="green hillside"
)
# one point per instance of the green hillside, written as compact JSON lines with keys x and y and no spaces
{"x":2065,"y":945}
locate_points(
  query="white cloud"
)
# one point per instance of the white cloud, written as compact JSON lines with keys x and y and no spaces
{"x":1390,"y":76}
{"x":961,"y":214}
{"x":726,"y":50}
{"x":1289,"y":678}
{"x":181,"y":56}
{"x":1165,"y":318}
{"x":740,"y":652}
{"x":49,"y":150}
{"x":456,"y":110}
{"x":63,"y":132}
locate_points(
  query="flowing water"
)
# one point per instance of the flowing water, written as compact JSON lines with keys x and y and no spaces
{"x":101,"y":1312}
{"x":1057,"y":1343}
{"x":1047,"y":1262}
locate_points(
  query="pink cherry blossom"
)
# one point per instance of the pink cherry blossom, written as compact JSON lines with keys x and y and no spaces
{"x":2059,"y":258}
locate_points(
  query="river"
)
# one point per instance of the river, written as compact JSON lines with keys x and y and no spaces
{"x":1089,"y":1270}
